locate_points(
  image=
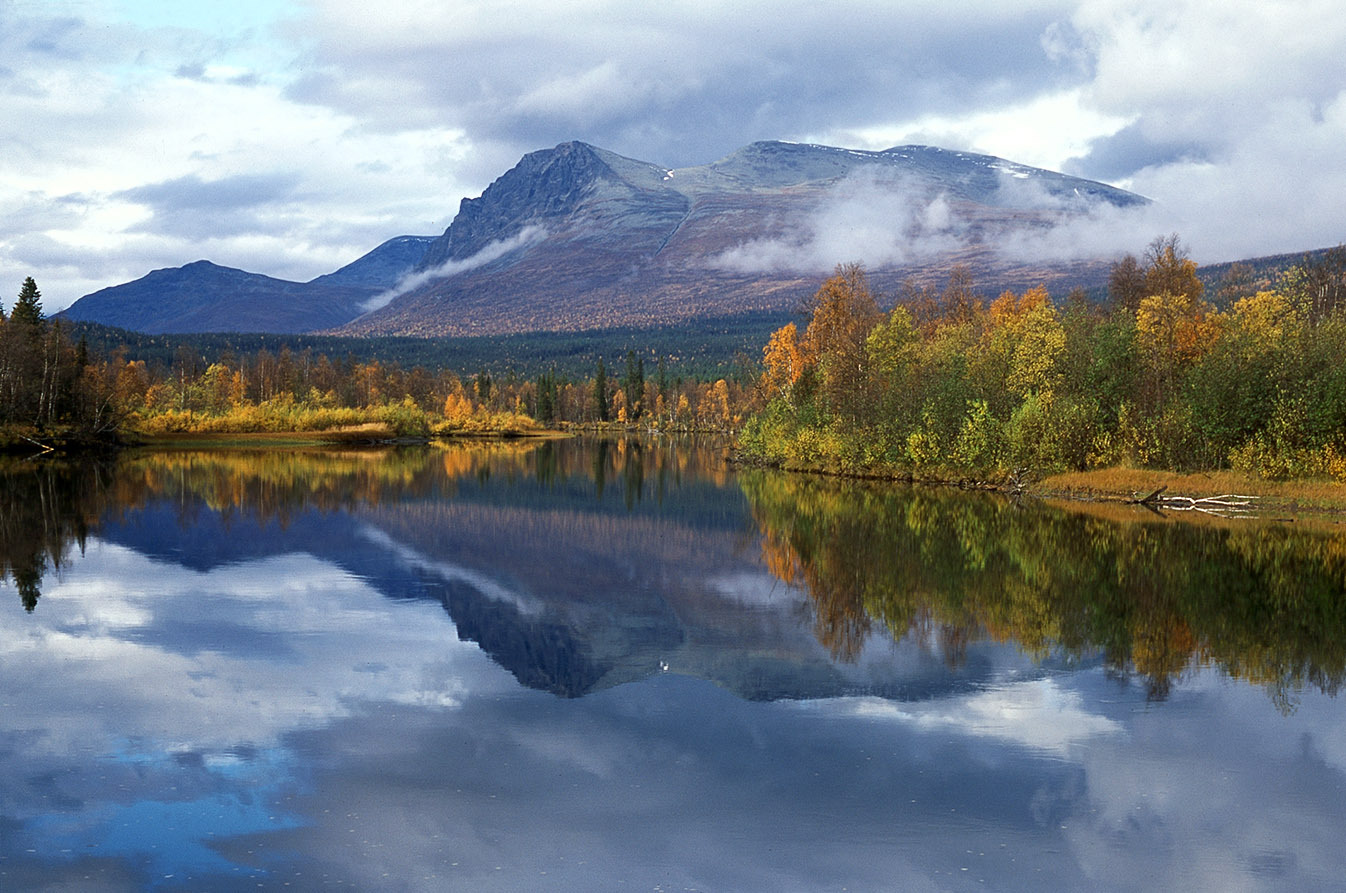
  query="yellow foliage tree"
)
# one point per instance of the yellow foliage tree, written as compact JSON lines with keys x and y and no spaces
{"x":457,"y":408}
{"x":844,"y":312}
{"x":1173,"y":331}
{"x":783,"y":359}
{"x":1267,"y":317}
{"x":1021,"y":348}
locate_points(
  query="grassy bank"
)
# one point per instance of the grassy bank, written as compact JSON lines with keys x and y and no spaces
{"x":1112,"y":485}
{"x":1122,"y":484}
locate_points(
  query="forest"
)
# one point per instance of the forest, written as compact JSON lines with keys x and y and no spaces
{"x":1163,"y":372}
{"x":1159,"y":375}
{"x":57,"y":392}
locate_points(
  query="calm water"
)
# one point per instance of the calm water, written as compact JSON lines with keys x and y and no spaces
{"x":619,"y":665}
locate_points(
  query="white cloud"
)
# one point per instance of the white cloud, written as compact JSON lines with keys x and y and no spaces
{"x":1248,"y":97}
{"x":1039,"y":715}
{"x":529,"y":235}
{"x":1044,"y":130}
{"x":871,"y":217}
{"x":1229,"y":114}
{"x":118,"y":683}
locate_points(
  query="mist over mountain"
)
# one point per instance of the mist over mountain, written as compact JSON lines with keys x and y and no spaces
{"x":576,"y":237}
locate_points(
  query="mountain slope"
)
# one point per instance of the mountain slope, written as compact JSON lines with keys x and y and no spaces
{"x":576,"y":237}
{"x":381,"y":268}
{"x":206,"y":297}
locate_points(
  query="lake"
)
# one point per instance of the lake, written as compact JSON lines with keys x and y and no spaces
{"x":623,"y":664}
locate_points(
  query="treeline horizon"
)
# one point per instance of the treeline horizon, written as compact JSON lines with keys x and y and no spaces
{"x":51,"y":387}
{"x":1162,"y":374}
{"x":981,"y":416}
{"x":700,"y":348}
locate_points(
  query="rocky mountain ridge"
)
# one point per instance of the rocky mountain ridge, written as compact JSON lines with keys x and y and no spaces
{"x":577,"y":237}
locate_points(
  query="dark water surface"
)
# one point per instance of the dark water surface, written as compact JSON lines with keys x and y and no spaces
{"x":620,"y":665}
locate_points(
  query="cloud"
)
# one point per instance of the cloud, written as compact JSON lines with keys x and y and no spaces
{"x":1226,"y":113}
{"x":1129,"y":150}
{"x":271,"y":627}
{"x":679,"y":83}
{"x":1039,"y":715}
{"x":529,"y":235}
{"x":162,"y":164}
{"x":1099,"y":231}
{"x":1234,"y":110}
{"x":195,"y":208}
{"x":872,"y":216}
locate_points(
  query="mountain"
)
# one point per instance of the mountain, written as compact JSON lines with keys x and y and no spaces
{"x":206,"y":297}
{"x":577,"y":237}
{"x":382,"y":268}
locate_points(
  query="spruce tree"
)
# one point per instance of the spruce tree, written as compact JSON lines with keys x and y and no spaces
{"x":633,"y":383}
{"x":29,"y":306}
{"x":601,"y":391}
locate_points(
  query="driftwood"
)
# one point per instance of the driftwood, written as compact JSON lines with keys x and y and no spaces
{"x":1018,"y":480}
{"x":1229,"y":505}
{"x":45,"y":447}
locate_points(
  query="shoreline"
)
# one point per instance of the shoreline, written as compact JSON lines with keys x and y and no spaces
{"x":1118,"y":486}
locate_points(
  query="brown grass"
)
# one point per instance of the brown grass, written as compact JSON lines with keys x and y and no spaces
{"x":369,"y":431}
{"x":1119,"y":484}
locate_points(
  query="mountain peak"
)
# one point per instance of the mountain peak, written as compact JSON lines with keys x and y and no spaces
{"x":577,"y":236}
{"x":545,"y":187}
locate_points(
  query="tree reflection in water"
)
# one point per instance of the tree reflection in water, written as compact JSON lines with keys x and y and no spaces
{"x":1264,"y":601}
{"x":45,"y":509}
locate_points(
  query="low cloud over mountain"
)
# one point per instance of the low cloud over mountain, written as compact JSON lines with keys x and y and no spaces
{"x":577,"y":237}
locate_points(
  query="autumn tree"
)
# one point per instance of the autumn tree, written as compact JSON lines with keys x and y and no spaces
{"x":1238,"y":282}
{"x":1039,"y":343}
{"x":891,"y":350}
{"x":1126,"y":284}
{"x":960,"y":296}
{"x":843,"y":313}
{"x":1237,"y":384}
{"x":1318,"y":284}
{"x":783,"y":363}
{"x":1170,"y":271}
{"x":1173,"y":331}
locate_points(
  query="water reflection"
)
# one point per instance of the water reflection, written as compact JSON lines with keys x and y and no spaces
{"x":1263,"y":601}
{"x":585,"y":666}
{"x":45,"y":509}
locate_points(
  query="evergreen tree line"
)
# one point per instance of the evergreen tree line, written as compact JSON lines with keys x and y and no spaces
{"x":46,"y":382}
{"x":48,"y":385}
{"x":1156,"y":376}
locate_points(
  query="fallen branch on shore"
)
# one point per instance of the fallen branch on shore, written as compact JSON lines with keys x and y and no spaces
{"x":45,"y":448}
{"x":1229,"y":505}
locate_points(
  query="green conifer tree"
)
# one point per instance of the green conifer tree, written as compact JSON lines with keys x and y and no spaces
{"x":601,"y":391}
{"x":28,"y":308}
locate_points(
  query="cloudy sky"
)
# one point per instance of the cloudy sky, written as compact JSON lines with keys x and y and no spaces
{"x":288,"y":137}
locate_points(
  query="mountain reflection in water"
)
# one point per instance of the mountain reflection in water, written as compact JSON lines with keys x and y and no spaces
{"x":488,"y":662}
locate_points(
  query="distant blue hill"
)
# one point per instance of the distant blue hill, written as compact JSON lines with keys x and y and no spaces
{"x":206,"y":297}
